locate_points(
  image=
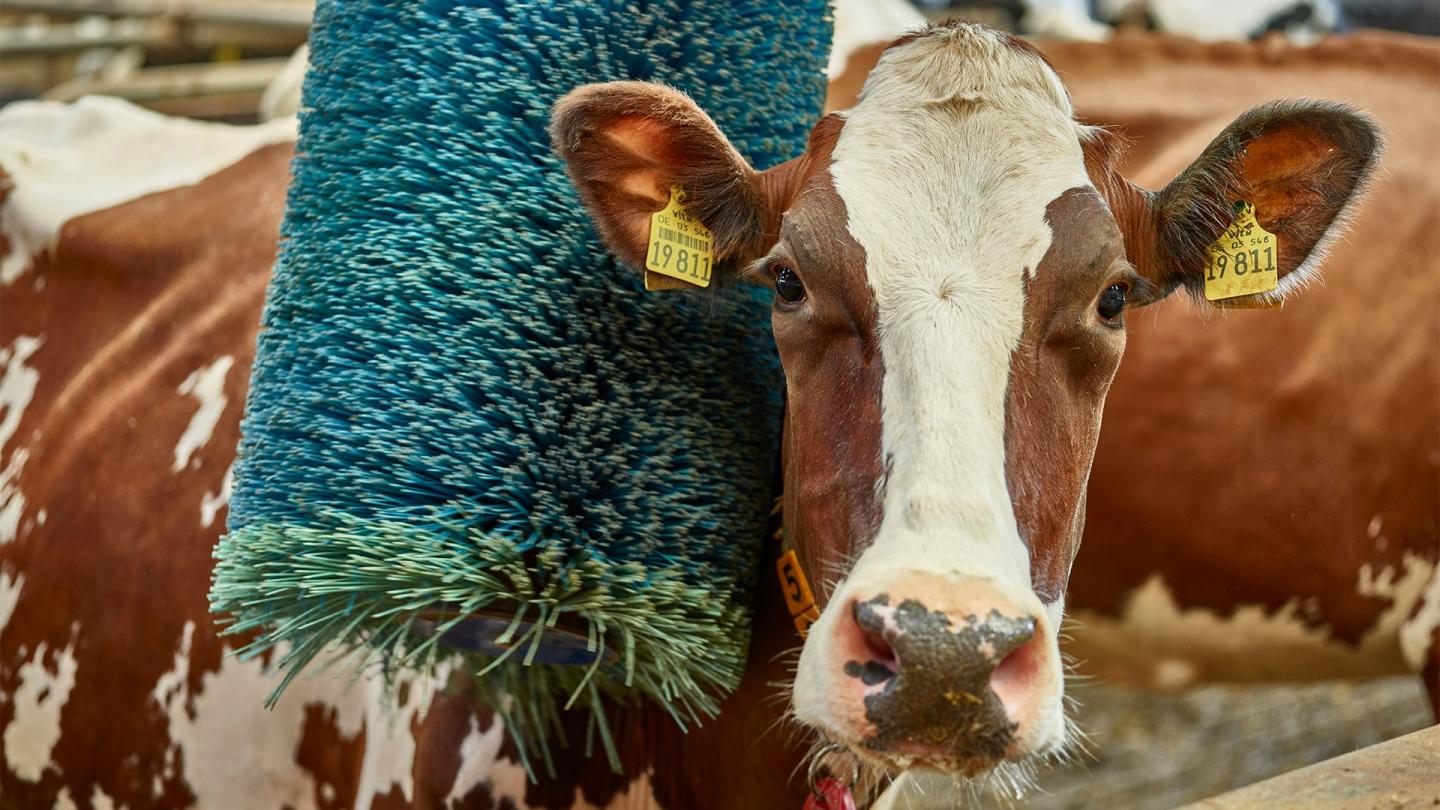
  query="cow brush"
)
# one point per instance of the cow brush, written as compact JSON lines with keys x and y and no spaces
{"x":471,"y":438}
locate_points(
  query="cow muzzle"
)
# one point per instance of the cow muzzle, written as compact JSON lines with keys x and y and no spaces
{"x":921,"y":669}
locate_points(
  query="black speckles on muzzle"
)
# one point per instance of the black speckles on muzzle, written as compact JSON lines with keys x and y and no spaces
{"x":937,"y":693}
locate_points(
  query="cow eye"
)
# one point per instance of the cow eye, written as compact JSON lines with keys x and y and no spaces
{"x":788,"y":285}
{"x":1112,"y":302}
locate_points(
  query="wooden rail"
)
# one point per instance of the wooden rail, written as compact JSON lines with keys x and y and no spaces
{"x":231,"y":12}
{"x":1403,"y":773}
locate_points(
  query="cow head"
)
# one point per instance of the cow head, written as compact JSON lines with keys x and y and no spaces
{"x":953,"y":260}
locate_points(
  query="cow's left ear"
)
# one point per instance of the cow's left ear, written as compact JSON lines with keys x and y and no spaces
{"x":1299,"y":163}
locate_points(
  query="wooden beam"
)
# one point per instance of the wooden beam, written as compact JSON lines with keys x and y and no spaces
{"x":292,"y":15}
{"x":62,"y":39}
{"x":1404,"y":772}
{"x":170,"y":82}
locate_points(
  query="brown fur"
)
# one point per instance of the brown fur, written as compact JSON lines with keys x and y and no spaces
{"x":1245,"y":454}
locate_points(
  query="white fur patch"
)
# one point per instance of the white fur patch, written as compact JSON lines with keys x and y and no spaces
{"x":946,"y":167}
{"x":41,"y":697}
{"x":1416,"y":634}
{"x":389,"y":744}
{"x":100,"y":800}
{"x":173,"y":681}
{"x":866,"y":22}
{"x":1157,"y":643}
{"x":66,"y":160}
{"x":17,"y":388}
{"x":211,"y":504}
{"x":206,"y":384}
{"x":10,"y":588}
{"x":1214,"y":20}
{"x":481,"y":764}
{"x":204,"y":728}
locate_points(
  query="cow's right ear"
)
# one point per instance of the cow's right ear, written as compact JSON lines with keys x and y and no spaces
{"x":626,"y":144}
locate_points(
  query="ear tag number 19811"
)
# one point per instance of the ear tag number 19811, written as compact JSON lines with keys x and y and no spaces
{"x":680,"y":246}
{"x":1243,"y":260}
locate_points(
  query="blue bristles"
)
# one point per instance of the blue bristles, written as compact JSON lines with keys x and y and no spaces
{"x":459,"y":400}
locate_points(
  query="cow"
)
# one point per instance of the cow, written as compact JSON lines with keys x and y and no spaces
{"x":145,"y":391}
{"x":953,"y":259}
{"x":1231,"y":592}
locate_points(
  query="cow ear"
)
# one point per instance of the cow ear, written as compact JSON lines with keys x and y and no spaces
{"x":1299,"y":163}
{"x":627,"y":144}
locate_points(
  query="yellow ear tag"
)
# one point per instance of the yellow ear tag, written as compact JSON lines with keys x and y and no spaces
{"x":798,"y":598}
{"x":1244,"y":260}
{"x":680,"y":246}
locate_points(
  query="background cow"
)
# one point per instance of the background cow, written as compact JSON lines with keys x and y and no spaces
{"x":1265,"y":502}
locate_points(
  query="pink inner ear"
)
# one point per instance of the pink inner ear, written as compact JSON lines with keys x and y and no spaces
{"x":646,"y":141}
{"x":648,"y":185}
{"x":639,"y":136}
{"x":1282,"y":167}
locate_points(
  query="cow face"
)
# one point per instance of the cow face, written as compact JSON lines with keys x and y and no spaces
{"x":953,"y":259}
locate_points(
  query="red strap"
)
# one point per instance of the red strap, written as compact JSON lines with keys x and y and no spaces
{"x":830,"y":794}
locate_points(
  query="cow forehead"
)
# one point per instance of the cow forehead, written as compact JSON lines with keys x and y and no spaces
{"x":947,"y":165}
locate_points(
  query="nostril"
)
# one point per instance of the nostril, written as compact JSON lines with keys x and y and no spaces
{"x":881,"y":663}
{"x":880,"y":650}
{"x":1013,"y":667}
{"x":878,"y":662}
{"x":1014,"y":681}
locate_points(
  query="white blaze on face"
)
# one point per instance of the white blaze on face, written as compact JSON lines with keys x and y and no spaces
{"x":960,"y":142}
{"x":946,"y":168}
{"x":206,"y":384}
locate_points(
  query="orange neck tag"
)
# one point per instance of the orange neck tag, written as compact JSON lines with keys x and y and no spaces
{"x":798,"y":596}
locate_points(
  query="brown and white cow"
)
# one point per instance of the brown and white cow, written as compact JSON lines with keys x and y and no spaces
{"x":953,"y":258}
{"x":112,"y":711}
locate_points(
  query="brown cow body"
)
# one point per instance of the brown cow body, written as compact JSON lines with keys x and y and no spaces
{"x":156,"y":714}
{"x":1265,"y":501}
